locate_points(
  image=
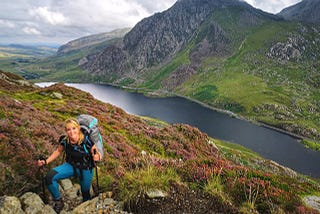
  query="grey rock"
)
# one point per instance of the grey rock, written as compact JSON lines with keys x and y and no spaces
{"x":9,"y":205}
{"x":156,"y":193}
{"x":312,"y":201}
{"x":32,"y":203}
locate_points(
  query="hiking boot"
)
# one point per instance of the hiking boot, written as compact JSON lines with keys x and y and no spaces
{"x":58,"y":205}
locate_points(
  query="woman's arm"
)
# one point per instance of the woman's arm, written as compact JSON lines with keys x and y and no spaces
{"x":52,"y":157}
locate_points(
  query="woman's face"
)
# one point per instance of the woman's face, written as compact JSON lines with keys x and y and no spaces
{"x":73,"y":132}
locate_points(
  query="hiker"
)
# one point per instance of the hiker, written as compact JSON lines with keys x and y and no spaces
{"x":79,"y":163}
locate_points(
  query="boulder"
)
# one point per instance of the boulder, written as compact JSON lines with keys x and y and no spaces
{"x":10,"y":204}
{"x":32,"y":203}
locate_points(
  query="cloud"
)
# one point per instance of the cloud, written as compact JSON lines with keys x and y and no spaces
{"x":31,"y":31}
{"x":6,"y":23}
{"x":272,"y":6}
{"x":64,"y":20}
{"x":53,"y":18}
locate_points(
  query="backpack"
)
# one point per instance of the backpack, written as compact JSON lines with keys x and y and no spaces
{"x":89,"y":127}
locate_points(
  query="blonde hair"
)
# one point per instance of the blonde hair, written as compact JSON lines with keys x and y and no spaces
{"x":76,"y":123}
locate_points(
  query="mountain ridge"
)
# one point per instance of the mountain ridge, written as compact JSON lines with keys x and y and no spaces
{"x":165,"y":33}
{"x":91,"y":40}
{"x":305,"y":11}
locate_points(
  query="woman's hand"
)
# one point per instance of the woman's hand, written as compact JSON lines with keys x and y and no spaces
{"x":96,"y":156}
{"x":95,"y":153}
{"x":41,"y":163}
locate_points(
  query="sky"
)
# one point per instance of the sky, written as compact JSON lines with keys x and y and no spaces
{"x":60,"y":21}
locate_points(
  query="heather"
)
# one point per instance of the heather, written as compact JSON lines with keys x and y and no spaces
{"x":141,"y":155}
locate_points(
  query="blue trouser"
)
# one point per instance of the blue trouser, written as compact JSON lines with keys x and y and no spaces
{"x":64,"y":171}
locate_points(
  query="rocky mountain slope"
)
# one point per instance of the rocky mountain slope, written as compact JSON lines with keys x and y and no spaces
{"x":304,"y":11}
{"x":159,"y":38}
{"x":150,"y":166}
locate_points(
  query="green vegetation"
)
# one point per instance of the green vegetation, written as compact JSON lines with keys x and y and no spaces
{"x":311,"y":144}
{"x":137,"y":183}
{"x":143,"y":155}
{"x":258,"y":87}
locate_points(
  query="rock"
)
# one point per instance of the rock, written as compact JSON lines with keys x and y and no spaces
{"x":32,"y":203}
{"x":10,"y":204}
{"x":156,"y":193}
{"x":66,"y":184}
{"x":277,"y":168}
{"x":69,"y":189}
{"x":312,"y":201}
{"x":100,"y":204}
{"x":56,"y":95}
{"x":86,"y":207}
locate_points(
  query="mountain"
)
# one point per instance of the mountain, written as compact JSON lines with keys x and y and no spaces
{"x":91,"y":40}
{"x":226,"y":54}
{"x":152,"y":166}
{"x":304,"y":11}
{"x":159,"y":38}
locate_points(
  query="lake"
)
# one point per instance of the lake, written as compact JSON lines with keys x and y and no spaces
{"x":270,"y":144}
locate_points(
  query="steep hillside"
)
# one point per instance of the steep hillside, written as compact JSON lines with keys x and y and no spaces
{"x":202,"y":174}
{"x":304,"y":11}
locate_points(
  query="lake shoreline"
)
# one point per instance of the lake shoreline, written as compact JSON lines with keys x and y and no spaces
{"x":227,"y":112}
{"x":166,"y":94}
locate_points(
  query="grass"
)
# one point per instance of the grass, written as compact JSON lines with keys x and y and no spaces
{"x":311,"y":144}
{"x":139,"y":182}
{"x":215,"y":187}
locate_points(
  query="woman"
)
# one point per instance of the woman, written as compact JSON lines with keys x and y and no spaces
{"x":79,"y":162}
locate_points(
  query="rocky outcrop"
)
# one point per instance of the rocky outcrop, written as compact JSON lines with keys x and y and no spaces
{"x":12,"y":80}
{"x":31,"y":203}
{"x":290,"y":50}
{"x":27,"y":203}
{"x":312,"y":201}
{"x":298,"y":46}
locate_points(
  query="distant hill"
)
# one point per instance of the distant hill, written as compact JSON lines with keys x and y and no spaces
{"x":91,"y":40}
{"x":305,"y":11}
{"x":65,"y":64}
{"x":25,"y":51}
